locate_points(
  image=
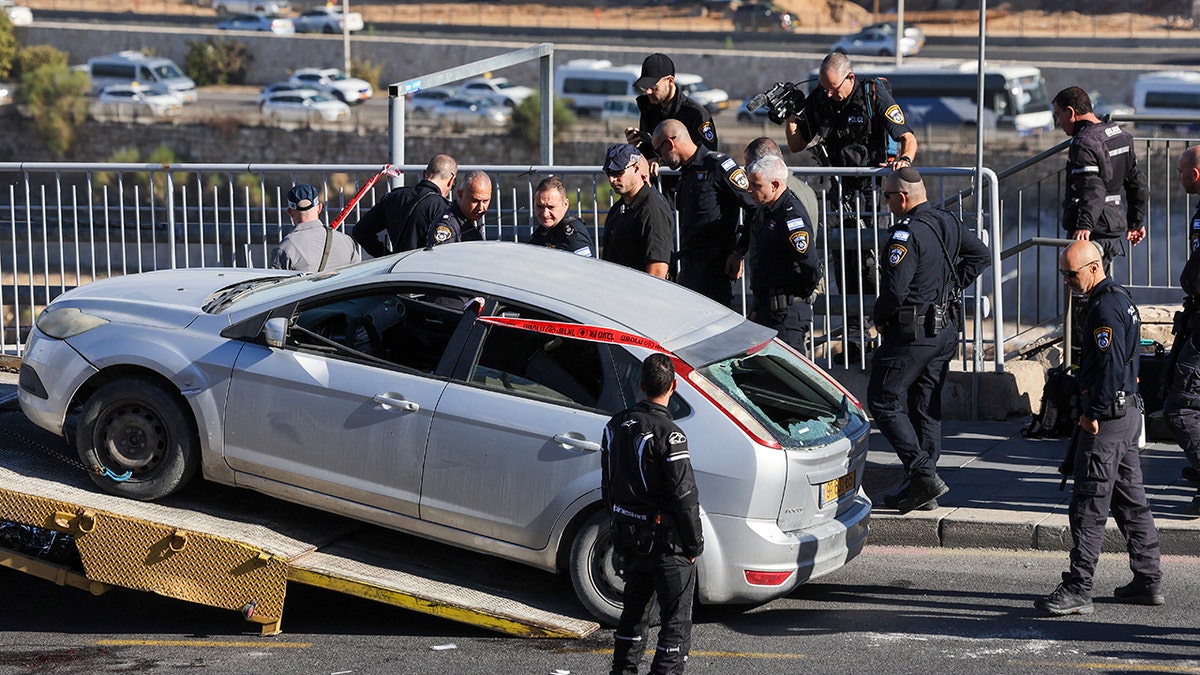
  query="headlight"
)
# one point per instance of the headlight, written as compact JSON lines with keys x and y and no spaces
{"x":67,"y":322}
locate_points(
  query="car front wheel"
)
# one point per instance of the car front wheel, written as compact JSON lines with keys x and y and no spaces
{"x":138,"y":430}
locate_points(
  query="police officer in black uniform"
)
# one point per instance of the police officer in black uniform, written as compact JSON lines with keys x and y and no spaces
{"x":1181,"y":406}
{"x":1100,"y":163}
{"x":638,"y":229}
{"x":662,"y":100}
{"x":1107,"y":468}
{"x":557,"y":228}
{"x":930,"y":257}
{"x":463,"y":221}
{"x":654,"y":508}
{"x":710,"y":197}
{"x":406,"y":213}
{"x":787,"y":269}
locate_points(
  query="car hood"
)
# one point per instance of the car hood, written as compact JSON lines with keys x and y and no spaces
{"x":164,"y":299}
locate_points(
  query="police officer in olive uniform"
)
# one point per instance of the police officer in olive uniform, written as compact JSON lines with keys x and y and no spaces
{"x":654,"y":509}
{"x":1181,"y":406}
{"x":557,"y":228}
{"x":662,"y":100}
{"x":1107,"y":468}
{"x":930,"y":257}
{"x":787,"y":269}
{"x":463,"y":221}
{"x":1101,"y":162}
{"x":710,"y":197}
{"x":406,"y":213}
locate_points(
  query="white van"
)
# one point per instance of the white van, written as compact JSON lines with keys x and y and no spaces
{"x":714,"y":100}
{"x":622,"y":109}
{"x":135,"y":68}
{"x":1168,"y":93}
{"x":585,"y":84}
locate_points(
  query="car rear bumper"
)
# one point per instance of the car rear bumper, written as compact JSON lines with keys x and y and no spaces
{"x":734,"y":546}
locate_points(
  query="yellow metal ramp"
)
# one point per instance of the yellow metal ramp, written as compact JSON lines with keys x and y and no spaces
{"x":237,"y":549}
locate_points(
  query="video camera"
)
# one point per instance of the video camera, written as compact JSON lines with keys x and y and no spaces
{"x":782,"y":100}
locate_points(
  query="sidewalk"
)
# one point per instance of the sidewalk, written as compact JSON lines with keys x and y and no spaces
{"x":1004,"y":493}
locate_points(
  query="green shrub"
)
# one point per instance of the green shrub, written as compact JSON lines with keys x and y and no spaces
{"x":527,"y":123}
{"x":160,"y":155}
{"x":31,"y":58}
{"x":56,"y":100}
{"x":365,"y":70}
{"x":217,"y":60}
{"x":8,"y":47}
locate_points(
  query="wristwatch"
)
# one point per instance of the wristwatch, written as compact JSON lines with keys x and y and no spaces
{"x":904,"y":158}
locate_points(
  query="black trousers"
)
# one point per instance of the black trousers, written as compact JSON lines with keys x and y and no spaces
{"x":904,"y":394}
{"x":792,"y":322}
{"x":1182,"y":405}
{"x":673,"y":578}
{"x":703,"y":271}
{"x":1108,"y":477}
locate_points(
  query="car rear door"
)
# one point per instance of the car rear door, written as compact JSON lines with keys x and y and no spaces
{"x":344,"y":407}
{"x":516,"y":436}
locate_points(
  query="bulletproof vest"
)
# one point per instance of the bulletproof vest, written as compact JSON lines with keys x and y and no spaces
{"x":853,"y":137}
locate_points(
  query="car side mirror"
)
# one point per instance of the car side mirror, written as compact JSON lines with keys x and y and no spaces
{"x":275,"y":330}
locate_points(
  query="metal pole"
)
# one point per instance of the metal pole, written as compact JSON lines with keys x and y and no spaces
{"x":899,"y":32}
{"x":546,"y":86}
{"x":346,"y":35}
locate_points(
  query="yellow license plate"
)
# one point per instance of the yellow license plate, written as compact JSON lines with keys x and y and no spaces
{"x":832,"y":490}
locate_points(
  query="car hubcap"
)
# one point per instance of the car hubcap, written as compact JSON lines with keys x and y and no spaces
{"x":134,"y":438}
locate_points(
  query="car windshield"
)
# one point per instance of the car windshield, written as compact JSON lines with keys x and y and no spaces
{"x":266,"y":289}
{"x":792,"y":399}
{"x":320,"y":98}
{"x":167,"y":72}
{"x":504,"y":85}
{"x":337,"y":77}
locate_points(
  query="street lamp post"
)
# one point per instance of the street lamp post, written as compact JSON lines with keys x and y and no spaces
{"x":346,"y":36}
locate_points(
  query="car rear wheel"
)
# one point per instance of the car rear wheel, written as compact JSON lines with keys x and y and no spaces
{"x":137,"y":426}
{"x":884,"y":52}
{"x":593,"y":573}
{"x":328,"y":30}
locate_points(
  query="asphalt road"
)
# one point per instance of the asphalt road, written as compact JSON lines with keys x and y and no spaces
{"x":893,"y":610}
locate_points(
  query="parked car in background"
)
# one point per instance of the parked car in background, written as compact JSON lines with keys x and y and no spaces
{"x":123,"y":101}
{"x":303,"y":105}
{"x":150,"y":72}
{"x":268,"y":7}
{"x":621,"y":108}
{"x":910,"y":30}
{"x":375,"y":392}
{"x":472,"y":110}
{"x":18,"y":15}
{"x":498,"y":88}
{"x":875,"y":43}
{"x":327,"y":20}
{"x":5,"y":96}
{"x":762,"y":16}
{"x":279,"y":88}
{"x":335,"y":83}
{"x":1104,"y":106}
{"x":260,"y":23}
{"x":694,"y":86}
{"x":422,"y":102}
{"x":745,"y":114}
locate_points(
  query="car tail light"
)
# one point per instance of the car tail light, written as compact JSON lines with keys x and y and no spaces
{"x":761,"y":578}
{"x":757,"y":432}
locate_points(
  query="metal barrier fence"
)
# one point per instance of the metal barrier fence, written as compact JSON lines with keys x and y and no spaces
{"x":63,"y":225}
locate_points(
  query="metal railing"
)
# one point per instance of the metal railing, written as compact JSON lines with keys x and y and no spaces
{"x":63,"y":225}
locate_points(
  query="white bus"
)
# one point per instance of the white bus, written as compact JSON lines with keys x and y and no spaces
{"x":1014,"y":96}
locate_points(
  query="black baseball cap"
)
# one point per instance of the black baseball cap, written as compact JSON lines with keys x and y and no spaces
{"x":620,"y":156}
{"x":654,"y":68}
{"x":303,"y":197}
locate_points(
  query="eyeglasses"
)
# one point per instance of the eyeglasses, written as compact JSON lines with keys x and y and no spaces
{"x":618,"y":172}
{"x":1071,"y":274}
{"x":668,"y":141}
{"x":897,"y":192}
{"x":830,"y":90}
{"x":651,"y":87}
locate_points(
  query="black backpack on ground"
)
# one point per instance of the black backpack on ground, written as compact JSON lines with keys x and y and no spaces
{"x":1060,"y":406}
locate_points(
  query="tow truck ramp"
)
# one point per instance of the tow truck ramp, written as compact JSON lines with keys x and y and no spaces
{"x":237,"y":550}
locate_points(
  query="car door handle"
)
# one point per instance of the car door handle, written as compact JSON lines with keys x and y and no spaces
{"x":577,"y":443}
{"x":388,"y":401}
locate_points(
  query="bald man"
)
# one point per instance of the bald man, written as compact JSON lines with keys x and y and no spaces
{"x":1107,"y":468}
{"x":710,"y":197}
{"x":1182,"y":404}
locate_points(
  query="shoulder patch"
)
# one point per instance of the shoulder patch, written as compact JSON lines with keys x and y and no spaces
{"x":799,"y":239}
{"x":795,"y":224}
{"x":901,"y":235}
{"x":1103,"y":337}
{"x":676,"y":437}
{"x":895,"y":114}
{"x":708,"y":131}
{"x":739,"y":179}
{"x":896,"y":253}
{"x":568,"y":228}
{"x":728,"y":164}
{"x":442,"y":234}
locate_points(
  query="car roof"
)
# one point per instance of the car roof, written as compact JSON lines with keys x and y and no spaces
{"x":592,"y":292}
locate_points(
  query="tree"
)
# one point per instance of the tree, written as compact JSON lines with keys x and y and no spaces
{"x":527,"y":122}
{"x":31,"y":58}
{"x":56,"y":99}
{"x":217,"y":60}
{"x":8,"y":47}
